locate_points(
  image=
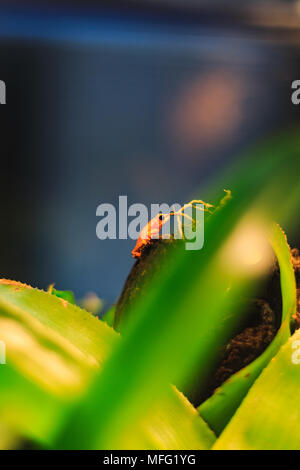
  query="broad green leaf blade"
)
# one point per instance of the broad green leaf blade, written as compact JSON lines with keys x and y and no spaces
{"x":53,"y":349}
{"x":171,"y":424}
{"x":26,"y":408}
{"x":269,"y":417}
{"x":174,"y":424}
{"x":221,"y":406}
{"x":8,"y":438}
{"x":57,"y":336}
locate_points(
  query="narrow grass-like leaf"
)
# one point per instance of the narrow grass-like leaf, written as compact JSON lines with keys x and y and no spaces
{"x":269,"y":417}
{"x":220,"y":407}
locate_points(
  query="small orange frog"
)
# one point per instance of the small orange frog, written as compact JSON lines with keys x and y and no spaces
{"x":152,"y":229}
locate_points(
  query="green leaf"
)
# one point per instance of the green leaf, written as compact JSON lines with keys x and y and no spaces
{"x":53,"y":350}
{"x":172,"y":423}
{"x":269,"y":417}
{"x":220,"y":407}
{"x":109,"y":316}
{"x":27,"y":408}
{"x":65,"y":295}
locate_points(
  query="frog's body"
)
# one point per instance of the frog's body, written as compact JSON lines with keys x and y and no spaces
{"x":150,"y":231}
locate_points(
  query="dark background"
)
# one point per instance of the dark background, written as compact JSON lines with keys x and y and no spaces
{"x":149,"y":101}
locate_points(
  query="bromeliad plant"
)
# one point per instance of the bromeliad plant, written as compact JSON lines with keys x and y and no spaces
{"x":71,"y":381}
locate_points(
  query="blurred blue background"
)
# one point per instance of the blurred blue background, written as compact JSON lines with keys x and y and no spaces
{"x":114,"y":100}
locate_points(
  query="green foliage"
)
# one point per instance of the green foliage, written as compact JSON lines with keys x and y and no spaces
{"x":220,"y":407}
{"x":176,"y":326}
{"x":54,"y":349}
{"x":275,"y":398}
{"x":67,"y":371}
{"x":65,"y":295}
{"x":109,"y":316}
